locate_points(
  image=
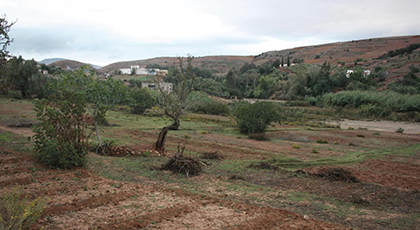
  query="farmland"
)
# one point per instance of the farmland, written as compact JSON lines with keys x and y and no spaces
{"x":285,"y":182}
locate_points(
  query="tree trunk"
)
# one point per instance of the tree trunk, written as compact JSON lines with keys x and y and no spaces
{"x":160,"y":143}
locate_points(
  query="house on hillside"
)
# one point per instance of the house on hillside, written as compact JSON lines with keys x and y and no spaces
{"x":350,"y":71}
{"x":166,"y":87}
{"x":125,"y":71}
{"x":143,"y":71}
{"x":366,"y":73}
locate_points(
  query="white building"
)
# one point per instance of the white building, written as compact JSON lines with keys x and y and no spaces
{"x":143,"y":71}
{"x":366,"y":73}
{"x":125,"y":71}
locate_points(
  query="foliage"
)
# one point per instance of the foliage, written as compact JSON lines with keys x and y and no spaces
{"x":255,"y":118}
{"x":410,"y":84}
{"x":5,"y":40}
{"x":254,"y":82}
{"x":321,"y":141}
{"x":199,"y":102}
{"x":175,"y":103}
{"x":142,"y":99}
{"x":17,"y":212}
{"x":399,"y":130}
{"x":371,"y":100}
{"x":60,"y":139}
{"x":295,"y":146}
{"x":23,"y":75}
{"x":406,"y":50}
{"x":135,"y":82}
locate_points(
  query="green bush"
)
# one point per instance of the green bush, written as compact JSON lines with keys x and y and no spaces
{"x":17,"y":213}
{"x":60,"y":137}
{"x":142,"y":99}
{"x":63,"y":155}
{"x":372,"y":110}
{"x":322,"y":141}
{"x":255,"y":118}
{"x":199,"y":102}
{"x":369,"y":101}
{"x":399,"y":130}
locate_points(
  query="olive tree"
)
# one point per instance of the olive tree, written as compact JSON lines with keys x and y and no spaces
{"x":175,"y":102}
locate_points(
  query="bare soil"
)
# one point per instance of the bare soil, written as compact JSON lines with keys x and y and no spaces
{"x":78,"y":199}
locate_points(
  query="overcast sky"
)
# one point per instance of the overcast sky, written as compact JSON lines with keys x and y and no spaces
{"x":102,"y":32}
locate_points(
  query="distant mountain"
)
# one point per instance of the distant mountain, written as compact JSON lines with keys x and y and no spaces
{"x":50,"y":60}
{"x":220,"y":65}
{"x":66,"y":64}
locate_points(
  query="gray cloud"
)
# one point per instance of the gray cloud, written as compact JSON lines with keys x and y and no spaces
{"x":246,"y":28}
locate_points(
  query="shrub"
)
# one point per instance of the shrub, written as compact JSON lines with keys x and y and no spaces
{"x":17,"y":212}
{"x":360,"y":135}
{"x":255,"y":118}
{"x":200,"y":103}
{"x":399,"y":130}
{"x":295,"y":146}
{"x":142,"y":99}
{"x":322,"y":141}
{"x":314,"y":150}
{"x":60,"y":138}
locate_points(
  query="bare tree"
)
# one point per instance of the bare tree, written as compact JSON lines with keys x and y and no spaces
{"x":174,"y":103}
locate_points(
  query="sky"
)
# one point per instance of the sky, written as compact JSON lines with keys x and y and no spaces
{"x":102,"y":32}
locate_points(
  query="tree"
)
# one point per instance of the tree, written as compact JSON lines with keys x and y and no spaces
{"x":61,"y":140}
{"x":175,"y":102}
{"x":255,"y":118}
{"x":19,"y":74}
{"x":5,"y":41}
{"x":99,"y":95}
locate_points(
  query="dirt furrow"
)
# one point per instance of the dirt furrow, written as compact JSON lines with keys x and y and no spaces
{"x":281,"y":219}
{"x":45,"y":176}
{"x":89,"y":203}
{"x":151,"y":218}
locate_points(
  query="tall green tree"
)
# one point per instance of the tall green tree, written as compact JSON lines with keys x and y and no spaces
{"x":19,"y":74}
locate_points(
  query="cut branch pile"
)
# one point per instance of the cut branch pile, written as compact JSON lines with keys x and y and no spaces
{"x":117,"y":151}
{"x":182,"y":164}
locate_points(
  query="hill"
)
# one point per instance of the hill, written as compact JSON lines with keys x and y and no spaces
{"x":70,"y":64}
{"x":50,"y":60}
{"x":220,"y":65}
{"x":361,"y":52}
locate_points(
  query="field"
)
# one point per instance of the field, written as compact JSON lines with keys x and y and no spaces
{"x":298,"y":179}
